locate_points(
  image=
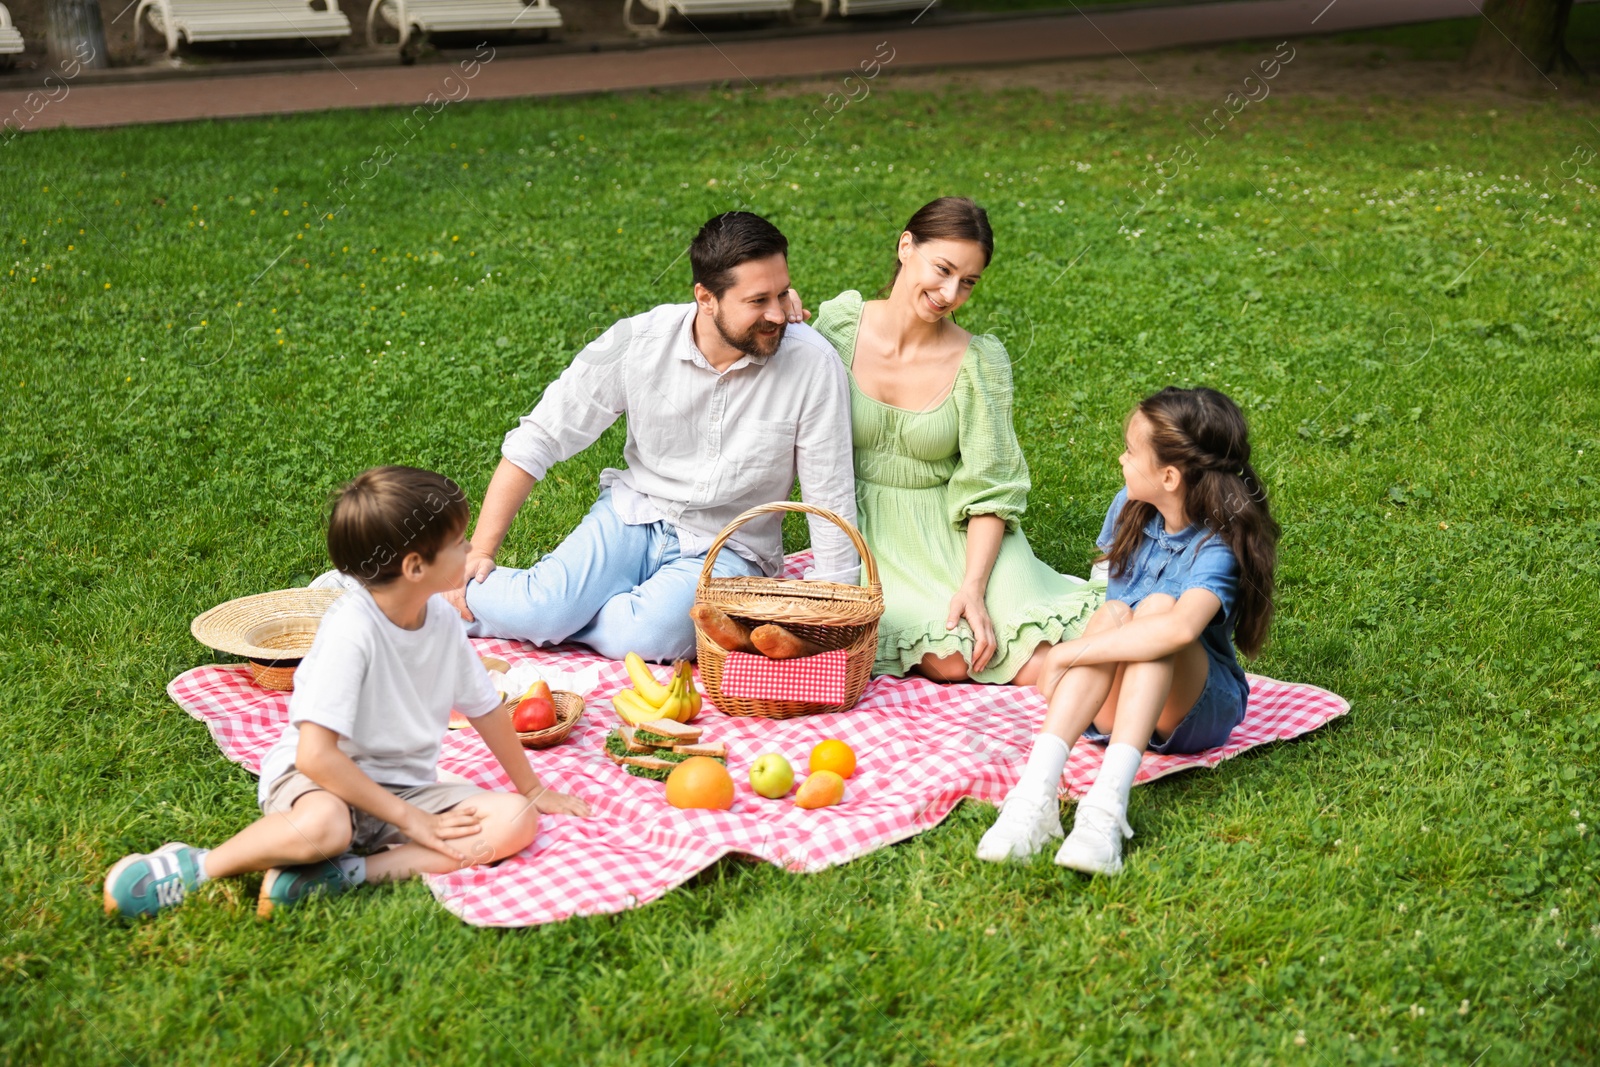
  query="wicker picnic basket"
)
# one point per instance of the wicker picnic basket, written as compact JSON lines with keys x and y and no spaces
{"x":832,"y":614}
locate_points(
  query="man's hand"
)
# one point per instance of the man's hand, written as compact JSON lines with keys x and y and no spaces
{"x":479,"y":565}
{"x":435,"y":831}
{"x":549,"y":802}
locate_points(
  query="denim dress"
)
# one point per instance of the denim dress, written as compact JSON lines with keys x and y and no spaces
{"x":1195,"y":558}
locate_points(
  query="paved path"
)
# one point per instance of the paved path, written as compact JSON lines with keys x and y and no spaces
{"x":1000,"y":42}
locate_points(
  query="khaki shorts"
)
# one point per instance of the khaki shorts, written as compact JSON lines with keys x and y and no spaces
{"x":368,"y":833}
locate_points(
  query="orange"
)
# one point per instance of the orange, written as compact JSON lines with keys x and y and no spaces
{"x":700,"y":782}
{"x":834,"y":755}
{"x":821,"y":789}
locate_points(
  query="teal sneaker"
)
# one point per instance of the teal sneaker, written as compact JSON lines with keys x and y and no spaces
{"x":146,"y":883}
{"x":285,"y":887}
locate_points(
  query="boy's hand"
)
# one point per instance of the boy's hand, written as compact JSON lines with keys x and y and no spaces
{"x":549,"y":802}
{"x":435,"y":831}
{"x":479,"y":565}
{"x":457,"y":598}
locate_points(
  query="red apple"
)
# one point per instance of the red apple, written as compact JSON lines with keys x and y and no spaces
{"x":535,"y":711}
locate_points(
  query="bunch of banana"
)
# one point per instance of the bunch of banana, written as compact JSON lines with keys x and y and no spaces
{"x":649,"y":700}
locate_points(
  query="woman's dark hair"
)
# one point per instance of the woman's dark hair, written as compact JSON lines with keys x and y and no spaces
{"x":728,"y":240}
{"x":1203,"y":434}
{"x":949,"y":218}
{"x":386,"y":513}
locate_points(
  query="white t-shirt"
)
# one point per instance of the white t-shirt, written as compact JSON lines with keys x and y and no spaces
{"x":386,"y":691}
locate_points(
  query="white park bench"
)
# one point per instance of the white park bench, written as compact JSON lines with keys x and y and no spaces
{"x":10,"y":36}
{"x":692,"y":9}
{"x":239,"y":20}
{"x":873,"y":7}
{"x":422,"y":17}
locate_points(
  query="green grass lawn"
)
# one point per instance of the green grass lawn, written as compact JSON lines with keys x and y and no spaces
{"x":194,"y":357}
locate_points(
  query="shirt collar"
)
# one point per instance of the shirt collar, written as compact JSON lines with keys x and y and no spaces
{"x":689,"y":351}
{"x":1156,"y":529}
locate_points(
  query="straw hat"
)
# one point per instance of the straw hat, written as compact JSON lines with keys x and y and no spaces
{"x":273,"y":630}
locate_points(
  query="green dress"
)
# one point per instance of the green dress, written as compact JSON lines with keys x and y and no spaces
{"x":919,"y":477}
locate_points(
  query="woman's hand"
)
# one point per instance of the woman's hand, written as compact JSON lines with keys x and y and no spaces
{"x":436,"y":831}
{"x":794,"y":310}
{"x":968,"y":604}
{"x":549,"y":802}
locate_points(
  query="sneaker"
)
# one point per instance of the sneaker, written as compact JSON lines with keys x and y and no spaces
{"x":1095,"y":844}
{"x":146,"y":883}
{"x":286,"y":886}
{"x":1026,"y":824}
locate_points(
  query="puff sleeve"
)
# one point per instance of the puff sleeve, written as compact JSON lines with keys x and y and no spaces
{"x":991,"y":475}
{"x":837,"y":320}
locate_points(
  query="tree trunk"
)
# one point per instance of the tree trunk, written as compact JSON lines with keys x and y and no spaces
{"x":76,"y":33}
{"x":1522,"y":39}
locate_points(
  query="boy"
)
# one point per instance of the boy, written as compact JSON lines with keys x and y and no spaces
{"x":356,"y":770}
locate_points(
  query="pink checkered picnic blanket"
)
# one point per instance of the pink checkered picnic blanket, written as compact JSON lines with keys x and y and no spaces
{"x":921,"y":749}
{"x":813,"y":679}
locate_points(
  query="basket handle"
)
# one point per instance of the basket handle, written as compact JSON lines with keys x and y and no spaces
{"x":777,"y":507}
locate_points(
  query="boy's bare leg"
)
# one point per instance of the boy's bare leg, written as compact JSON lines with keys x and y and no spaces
{"x":316,"y":828}
{"x":510,"y":823}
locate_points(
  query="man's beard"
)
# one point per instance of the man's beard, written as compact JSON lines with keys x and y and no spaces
{"x":751,"y":342}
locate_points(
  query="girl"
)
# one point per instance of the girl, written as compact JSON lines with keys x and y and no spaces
{"x":1191,"y":549}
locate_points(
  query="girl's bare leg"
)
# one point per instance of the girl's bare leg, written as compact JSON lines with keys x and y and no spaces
{"x":1151,"y":694}
{"x":1155,"y":695}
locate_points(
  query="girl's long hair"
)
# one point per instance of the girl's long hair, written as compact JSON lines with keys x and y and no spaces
{"x":1203,"y":434}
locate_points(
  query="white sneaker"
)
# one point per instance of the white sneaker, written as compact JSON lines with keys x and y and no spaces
{"x":1026,"y":824}
{"x":1095,"y":844}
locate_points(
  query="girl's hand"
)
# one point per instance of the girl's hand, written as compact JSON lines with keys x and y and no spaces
{"x":549,"y":802}
{"x":435,"y":831}
{"x":794,"y":310}
{"x":969,"y":605}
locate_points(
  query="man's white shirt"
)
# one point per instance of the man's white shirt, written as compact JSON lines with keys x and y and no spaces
{"x":702,"y":447}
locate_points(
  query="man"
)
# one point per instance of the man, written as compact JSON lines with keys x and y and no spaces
{"x":726,"y":404}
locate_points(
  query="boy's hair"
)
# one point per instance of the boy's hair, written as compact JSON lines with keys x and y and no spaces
{"x":385,"y":513}
{"x":1203,"y":434}
{"x":732,"y":238}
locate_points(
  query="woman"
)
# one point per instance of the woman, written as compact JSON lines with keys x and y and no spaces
{"x":940,"y":479}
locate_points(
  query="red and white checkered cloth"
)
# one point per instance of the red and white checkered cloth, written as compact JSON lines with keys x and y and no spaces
{"x":921,"y":748}
{"x":815,"y":679}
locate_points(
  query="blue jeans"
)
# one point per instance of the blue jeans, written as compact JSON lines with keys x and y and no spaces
{"x":614,"y":587}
